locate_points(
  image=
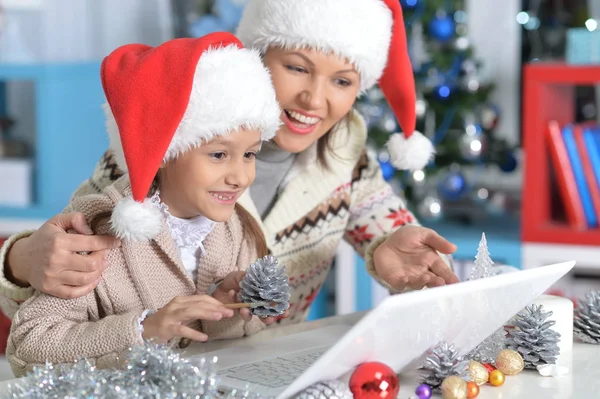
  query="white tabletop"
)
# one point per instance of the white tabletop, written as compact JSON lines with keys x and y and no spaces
{"x":583,"y":380}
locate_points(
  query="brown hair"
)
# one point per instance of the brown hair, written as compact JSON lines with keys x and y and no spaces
{"x":249,"y":225}
{"x":324,"y":143}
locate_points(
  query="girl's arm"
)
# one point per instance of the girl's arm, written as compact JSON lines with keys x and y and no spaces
{"x":47,"y":328}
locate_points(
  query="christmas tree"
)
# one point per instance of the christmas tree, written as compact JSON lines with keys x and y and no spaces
{"x":483,"y":266}
{"x":487,"y":351}
{"x":453,"y":110}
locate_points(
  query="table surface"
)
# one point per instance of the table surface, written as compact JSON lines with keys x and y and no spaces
{"x":583,"y":380}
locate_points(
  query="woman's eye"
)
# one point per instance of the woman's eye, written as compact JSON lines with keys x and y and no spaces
{"x":294,"y":68}
{"x":250,"y":155}
{"x":343,"y":82}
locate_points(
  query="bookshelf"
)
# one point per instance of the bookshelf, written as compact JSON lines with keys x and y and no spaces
{"x":548,"y":94}
{"x":69,"y":138}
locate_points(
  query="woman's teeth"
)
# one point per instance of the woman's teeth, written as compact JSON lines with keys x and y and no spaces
{"x":298,"y":117}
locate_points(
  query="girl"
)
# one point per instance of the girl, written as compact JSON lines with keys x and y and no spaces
{"x":185,"y":119}
{"x":316,"y":184}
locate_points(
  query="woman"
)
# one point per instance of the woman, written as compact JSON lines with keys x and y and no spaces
{"x":315,"y":183}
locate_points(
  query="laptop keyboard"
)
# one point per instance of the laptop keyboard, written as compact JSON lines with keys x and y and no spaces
{"x":276,"y":372}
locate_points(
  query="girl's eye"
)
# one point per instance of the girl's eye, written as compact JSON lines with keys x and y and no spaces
{"x":343,"y":82}
{"x":218,"y":155}
{"x":294,"y":68}
{"x":250,"y":155}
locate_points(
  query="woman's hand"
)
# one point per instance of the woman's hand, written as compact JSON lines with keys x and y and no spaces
{"x":172,"y":320}
{"x":49,"y":261}
{"x":409,"y":259}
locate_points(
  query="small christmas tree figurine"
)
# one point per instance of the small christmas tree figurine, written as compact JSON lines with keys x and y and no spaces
{"x":483,"y":262}
{"x":533,"y":338}
{"x":266,"y":284}
{"x":443,"y":361}
{"x":586,"y":323}
{"x":486,"y":351}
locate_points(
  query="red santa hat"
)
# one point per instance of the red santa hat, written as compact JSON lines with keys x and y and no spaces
{"x":165,"y":100}
{"x":369,"y":33}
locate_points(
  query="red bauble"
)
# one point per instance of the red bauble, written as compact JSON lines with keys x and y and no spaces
{"x":489,"y":367}
{"x":373,"y":380}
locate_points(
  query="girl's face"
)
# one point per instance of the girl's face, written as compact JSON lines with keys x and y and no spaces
{"x":315,"y":91}
{"x":208,"y":180}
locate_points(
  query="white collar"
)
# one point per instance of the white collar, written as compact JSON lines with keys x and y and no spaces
{"x":187,"y":233}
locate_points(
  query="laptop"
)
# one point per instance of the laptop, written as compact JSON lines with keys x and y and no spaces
{"x":398,"y":332}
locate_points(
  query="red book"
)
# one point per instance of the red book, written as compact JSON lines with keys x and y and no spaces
{"x":588,"y":169}
{"x":565,"y":177}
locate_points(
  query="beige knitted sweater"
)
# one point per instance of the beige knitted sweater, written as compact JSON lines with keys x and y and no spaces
{"x":103,"y":324}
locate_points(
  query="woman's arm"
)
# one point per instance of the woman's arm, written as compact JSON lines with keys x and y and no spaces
{"x":38,"y":259}
{"x":376,"y":212}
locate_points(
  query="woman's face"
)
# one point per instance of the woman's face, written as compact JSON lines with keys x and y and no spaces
{"x":208,"y":180}
{"x":315,"y":91}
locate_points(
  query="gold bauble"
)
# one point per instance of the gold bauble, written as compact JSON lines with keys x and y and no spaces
{"x":497,"y":378}
{"x":454,"y":387}
{"x":509,"y":362}
{"x":478,"y":372}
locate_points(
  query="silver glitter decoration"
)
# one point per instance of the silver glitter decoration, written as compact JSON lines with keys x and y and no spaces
{"x":586,"y":323}
{"x":483,"y":266}
{"x":150,"y":371}
{"x":332,"y":389}
{"x":266,"y":281}
{"x":533,"y":338}
{"x":443,"y":361}
{"x":487,"y":351}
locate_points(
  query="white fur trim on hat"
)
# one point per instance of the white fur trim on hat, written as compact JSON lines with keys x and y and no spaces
{"x":231,"y":90}
{"x":136,"y":221}
{"x":358,"y":30}
{"x":413,"y":153}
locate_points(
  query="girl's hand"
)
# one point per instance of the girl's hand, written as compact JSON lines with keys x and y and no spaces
{"x":227,"y":291}
{"x":171,"y":320}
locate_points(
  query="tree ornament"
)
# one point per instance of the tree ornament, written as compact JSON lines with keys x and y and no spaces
{"x":510,"y":362}
{"x":533,"y":338}
{"x":489,"y":367}
{"x":484,"y":266}
{"x":332,"y":389}
{"x":442,"y":27}
{"x":430,"y":208}
{"x":423,"y":391}
{"x":443,"y":361}
{"x":486,"y":351}
{"x":410,"y":4}
{"x":497,"y":378}
{"x":586,"y":323}
{"x":454,"y":387}
{"x":266,"y":282}
{"x":372,"y":380}
{"x":453,"y":186}
{"x":478,"y":373}
{"x":472,"y":390}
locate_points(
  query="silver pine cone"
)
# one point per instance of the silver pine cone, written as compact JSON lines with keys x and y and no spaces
{"x":533,"y":338}
{"x":586,"y":323}
{"x":332,"y":389}
{"x":266,"y":281}
{"x":443,"y":361}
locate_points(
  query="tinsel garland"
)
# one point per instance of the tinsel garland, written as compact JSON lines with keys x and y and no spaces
{"x":150,"y":371}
